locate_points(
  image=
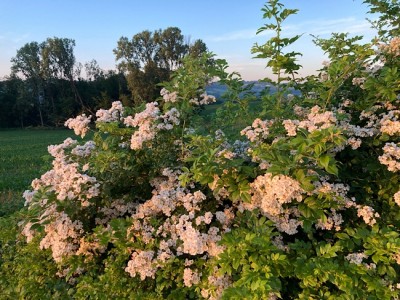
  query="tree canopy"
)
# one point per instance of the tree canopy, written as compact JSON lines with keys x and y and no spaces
{"x":149,"y":58}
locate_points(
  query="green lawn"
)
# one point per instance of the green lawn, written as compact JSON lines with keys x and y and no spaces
{"x":23,"y":157}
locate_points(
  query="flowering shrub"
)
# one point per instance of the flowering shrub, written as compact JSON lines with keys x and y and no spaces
{"x":302,"y":202}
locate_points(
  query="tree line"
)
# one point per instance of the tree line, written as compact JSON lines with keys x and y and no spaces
{"x":47,"y":85}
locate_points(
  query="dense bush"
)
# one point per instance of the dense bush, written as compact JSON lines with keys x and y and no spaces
{"x":303,"y":203}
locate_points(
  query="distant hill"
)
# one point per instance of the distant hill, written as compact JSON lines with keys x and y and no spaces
{"x":217,"y":89}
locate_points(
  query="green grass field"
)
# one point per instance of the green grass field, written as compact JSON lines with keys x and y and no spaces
{"x":23,"y":157}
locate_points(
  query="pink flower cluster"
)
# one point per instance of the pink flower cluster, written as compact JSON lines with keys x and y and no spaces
{"x":393,"y":47}
{"x":390,"y":123}
{"x":63,"y":235}
{"x":258,"y":131}
{"x":316,"y":120}
{"x":270,"y":194}
{"x":141,"y":263}
{"x":190,"y":277}
{"x":169,"y":96}
{"x":391,"y":157}
{"x":219,"y":282}
{"x":115,"y":113}
{"x":146,"y":121}
{"x":190,"y":233}
{"x":80,"y":124}
{"x":64,"y":179}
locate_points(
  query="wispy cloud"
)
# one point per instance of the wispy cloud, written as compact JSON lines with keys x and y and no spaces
{"x":322,"y":27}
{"x":317,"y":27}
{"x":245,"y":34}
{"x":12,"y":38}
{"x":20,"y":38}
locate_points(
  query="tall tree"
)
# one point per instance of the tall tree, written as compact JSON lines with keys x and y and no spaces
{"x":93,"y":70}
{"x":29,"y":62}
{"x":59,"y":60}
{"x":149,"y":58}
{"x":172,"y":48}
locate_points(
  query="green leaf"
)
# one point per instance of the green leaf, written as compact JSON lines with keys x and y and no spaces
{"x":324,"y":161}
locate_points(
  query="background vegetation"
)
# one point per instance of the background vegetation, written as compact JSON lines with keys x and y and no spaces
{"x":47,"y":85}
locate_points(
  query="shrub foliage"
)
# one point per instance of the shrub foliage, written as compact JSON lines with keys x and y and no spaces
{"x":302,"y":202}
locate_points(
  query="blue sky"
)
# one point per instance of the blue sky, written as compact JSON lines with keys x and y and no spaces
{"x":228,"y":27}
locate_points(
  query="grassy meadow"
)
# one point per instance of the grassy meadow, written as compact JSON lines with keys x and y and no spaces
{"x":23,"y":157}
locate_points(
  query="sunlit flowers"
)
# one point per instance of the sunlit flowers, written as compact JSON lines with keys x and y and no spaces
{"x":80,"y":124}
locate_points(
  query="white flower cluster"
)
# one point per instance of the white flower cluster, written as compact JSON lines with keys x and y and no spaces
{"x":117,"y":208}
{"x":204,"y":99}
{"x":84,"y":150}
{"x":359,"y":81}
{"x":219,"y":282}
{"x":190,"y":277}
{"x":115,"y":113}
{"x":144,"y":120}
{"x":354,"y":143}
{"x":80,"y":124}
{"x":333,"y":221}
{"x":367,"y":213}
{"x":338,"y":191}
{"x":356,"y":258}
{"x":169,"y":119}
{"x":391,"y":157}
{"x":239,"y":149}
